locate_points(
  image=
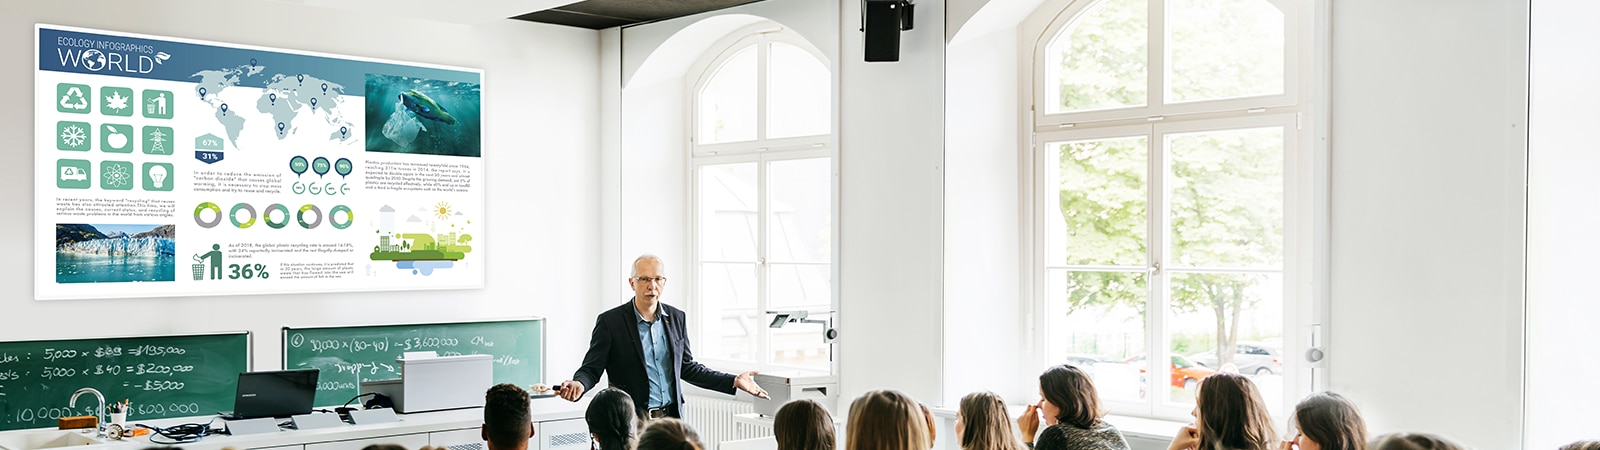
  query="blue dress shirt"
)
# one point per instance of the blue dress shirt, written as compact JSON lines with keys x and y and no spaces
{"x":653,"y":338}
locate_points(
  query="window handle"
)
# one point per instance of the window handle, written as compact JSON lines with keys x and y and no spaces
{"x":1154,"y":269}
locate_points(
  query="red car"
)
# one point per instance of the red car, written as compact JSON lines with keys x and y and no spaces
{"x":1185,"y":374}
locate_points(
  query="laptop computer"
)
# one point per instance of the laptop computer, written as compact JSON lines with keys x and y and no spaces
{"x":280,"y":393}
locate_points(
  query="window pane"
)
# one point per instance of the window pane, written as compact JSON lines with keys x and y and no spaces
{"x":801,"y":195}
{"x":728,"y":300}
{"x":798,"y":93}
{"x":1096,"y":321}
{"x":1099,"y":61}
{"x":1224,"y":49}
{"x":727,"y":203}
{"x":804,"y":288}
{"x":1211,"y":311}
{"x":727,"y":103}
{"x":1099,"y":216}
{"x":1227,"y":198}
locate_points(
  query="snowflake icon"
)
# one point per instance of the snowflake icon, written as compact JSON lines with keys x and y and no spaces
{"x":117,"y":102}
{"x":73,"y":136}
{"x":116,"y":176}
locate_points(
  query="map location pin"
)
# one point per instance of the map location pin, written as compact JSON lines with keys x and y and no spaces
{"x":273,"y":97}
{"x":280,"y":127}
{"x":298,"y":165}
{"x":224,"y":109}
{"x":252,"y":62}
{"x":313,"y":102}
{"x":202,"y":92}
{"x":343,"y":133}
{"x":343,"y":166}
{"x":324,"y":88}
{"x":320,"y":166}
{"x":300,"y":78}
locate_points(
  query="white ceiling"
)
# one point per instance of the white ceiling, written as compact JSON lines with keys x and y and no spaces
{"x":469,"y":12}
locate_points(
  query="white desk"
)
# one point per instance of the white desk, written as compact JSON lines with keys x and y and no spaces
{"x":558,"y":425}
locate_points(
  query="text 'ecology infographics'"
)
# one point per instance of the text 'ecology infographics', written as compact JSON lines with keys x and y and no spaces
{"x":174,"y":167}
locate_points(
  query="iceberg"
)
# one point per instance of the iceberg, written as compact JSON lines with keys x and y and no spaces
{"x":145,"y":247}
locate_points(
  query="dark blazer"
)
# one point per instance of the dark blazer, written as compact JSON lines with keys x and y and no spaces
{"x":614,"y":347}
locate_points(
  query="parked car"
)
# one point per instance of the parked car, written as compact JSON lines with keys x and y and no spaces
{"x":1185,"y":374}
{"x":1251,"y":358}
{"x":1085,"y":361}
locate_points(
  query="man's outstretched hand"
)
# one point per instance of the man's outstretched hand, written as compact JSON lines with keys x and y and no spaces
{"x":570,"y":390}
{"x":747,"y":382}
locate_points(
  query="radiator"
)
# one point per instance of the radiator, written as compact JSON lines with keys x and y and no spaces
{"x":712,"y":417}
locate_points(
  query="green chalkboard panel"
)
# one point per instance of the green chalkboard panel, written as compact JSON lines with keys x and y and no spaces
{"x":348,"y":356}
{"x":161,"y":376}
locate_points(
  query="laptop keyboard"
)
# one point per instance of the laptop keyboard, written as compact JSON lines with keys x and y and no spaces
{"x":472,"y":446}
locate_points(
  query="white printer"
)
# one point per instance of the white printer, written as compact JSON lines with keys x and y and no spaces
{"x":432,"y":383}
{"x":783,"y":387}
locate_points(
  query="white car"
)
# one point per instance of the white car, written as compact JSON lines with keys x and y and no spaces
{"x":1251,"y":359}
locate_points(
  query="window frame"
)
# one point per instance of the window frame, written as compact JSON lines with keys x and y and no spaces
{"x":763,"y":152}
{"x":1304,"y":191}
{"x":1156,"y":69}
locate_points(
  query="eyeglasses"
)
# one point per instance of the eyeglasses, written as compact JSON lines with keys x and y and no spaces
{"x":657,"y":280}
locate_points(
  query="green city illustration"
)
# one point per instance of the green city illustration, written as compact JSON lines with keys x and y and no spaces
{"x":422,"y":253}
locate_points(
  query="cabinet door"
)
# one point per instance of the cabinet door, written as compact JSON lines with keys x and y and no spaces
{"x":410,"y":441}
{"x":465,"y":439}
{"x":572,"y":434}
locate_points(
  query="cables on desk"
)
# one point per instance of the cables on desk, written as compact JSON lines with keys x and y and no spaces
{"x":181,"y":434}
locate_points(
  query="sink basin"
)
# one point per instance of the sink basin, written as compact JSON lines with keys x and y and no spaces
{"x":33,"y":440}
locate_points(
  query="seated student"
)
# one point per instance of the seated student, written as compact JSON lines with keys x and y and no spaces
{"x":983,"y":424}
{"x":507,"y":421}
{"x":669,"y":434}
{"x":886,"y":420}
{"x":1327,"y":421}
{"x":1229,"y":414}
{"x":1582,"y":445}
{"x":612,"y":421}
{"x":1414,"y":441}
{"x":803,"y":425}
{"x":1071,"y":409}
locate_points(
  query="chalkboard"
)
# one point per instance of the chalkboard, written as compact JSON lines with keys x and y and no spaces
{"x":348,"y":356}
{"x":161,"y":376}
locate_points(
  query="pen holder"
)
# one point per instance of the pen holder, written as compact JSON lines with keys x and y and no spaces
{"x":119,"y":418}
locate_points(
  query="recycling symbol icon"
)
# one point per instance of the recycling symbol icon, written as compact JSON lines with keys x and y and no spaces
{"x":75,"y":99}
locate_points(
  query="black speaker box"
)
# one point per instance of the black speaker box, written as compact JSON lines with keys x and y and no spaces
{"x":882,"y":29}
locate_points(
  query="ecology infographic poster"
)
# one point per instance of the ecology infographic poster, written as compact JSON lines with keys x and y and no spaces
{"x":173,"y":167}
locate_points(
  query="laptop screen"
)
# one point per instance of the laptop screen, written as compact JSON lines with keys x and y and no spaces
{"x":280,"y":393}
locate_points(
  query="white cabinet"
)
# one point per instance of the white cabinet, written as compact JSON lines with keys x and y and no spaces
{"x":409,"y":441}
{"x":465,"y":439}
{"x":571,"y":434}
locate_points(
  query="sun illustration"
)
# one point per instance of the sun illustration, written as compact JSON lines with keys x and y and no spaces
{"x":442,"y":210}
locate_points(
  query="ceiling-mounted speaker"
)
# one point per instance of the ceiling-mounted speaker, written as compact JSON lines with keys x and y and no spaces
{"x":881,"y":23}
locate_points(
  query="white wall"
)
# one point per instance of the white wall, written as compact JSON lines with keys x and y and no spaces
{"x":1428,"y":129}
{"x":891,"y":164}
{"x":983,"y":313}
{"x":541,"y":134}
{"x":1562,"y":404}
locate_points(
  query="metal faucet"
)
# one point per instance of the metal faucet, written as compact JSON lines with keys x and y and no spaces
{"x":101,"y":410}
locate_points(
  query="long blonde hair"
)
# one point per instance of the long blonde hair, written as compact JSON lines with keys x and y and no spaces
{"x":886,"y":420}
{"x":985,"y":423}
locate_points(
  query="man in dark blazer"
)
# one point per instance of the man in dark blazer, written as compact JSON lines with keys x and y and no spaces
{"x":644,"y":344}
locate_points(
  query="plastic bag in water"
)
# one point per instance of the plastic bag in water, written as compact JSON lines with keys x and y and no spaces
{"x":402,"y":127}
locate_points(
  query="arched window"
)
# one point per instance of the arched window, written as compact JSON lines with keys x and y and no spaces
{"x":1169,"y":198}
{"x":761,"y":168}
